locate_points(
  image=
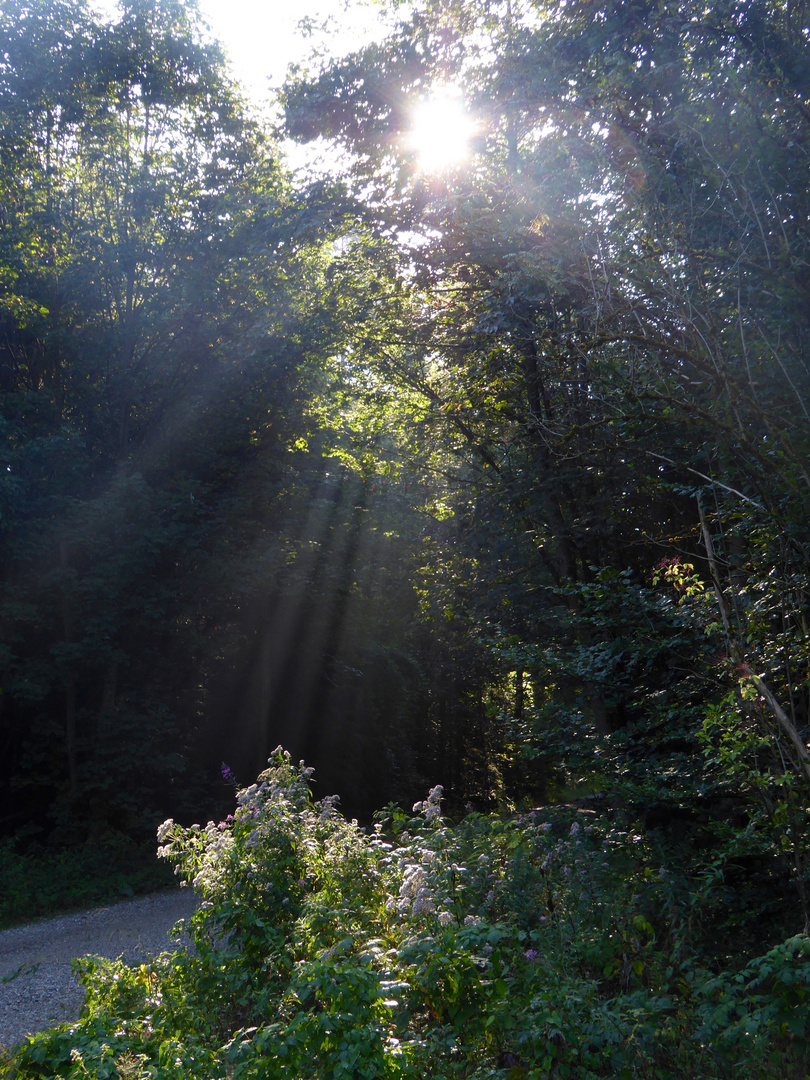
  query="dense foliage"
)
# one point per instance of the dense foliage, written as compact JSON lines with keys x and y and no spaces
{"x":495,"y":478}
{"x":552,"y":943}
{"x":165,"y":530}
{"x":606,"y":378}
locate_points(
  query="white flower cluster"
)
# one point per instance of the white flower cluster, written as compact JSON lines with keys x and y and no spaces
{"x":281,"y":781}
{"x":326,"y":807}
{"x":431,"y":806}
{"x":421,"y":866}
{"x":166,"y":831}
{"x":423,"y":903}
{"x":249,"y":795}
{"x":414,"y":894}
{"x":218,"y":847}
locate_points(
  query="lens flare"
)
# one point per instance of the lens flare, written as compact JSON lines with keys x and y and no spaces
{"x":441,"y":131}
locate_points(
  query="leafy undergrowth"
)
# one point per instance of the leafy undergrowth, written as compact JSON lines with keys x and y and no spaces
{"x":538,"y":946}
{"x":44,"y":881}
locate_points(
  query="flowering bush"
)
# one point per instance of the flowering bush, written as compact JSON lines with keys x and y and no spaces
{"x":535,"y":945}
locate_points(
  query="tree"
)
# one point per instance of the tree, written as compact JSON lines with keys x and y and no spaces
{"x":138,"y":364}
{"x":610,"y":327}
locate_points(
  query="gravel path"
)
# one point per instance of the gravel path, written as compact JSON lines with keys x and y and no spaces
{"x":44,"y":992}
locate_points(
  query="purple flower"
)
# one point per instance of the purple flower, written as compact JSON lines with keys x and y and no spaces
{"x":531,"y":955}
{"x":227,"y":774}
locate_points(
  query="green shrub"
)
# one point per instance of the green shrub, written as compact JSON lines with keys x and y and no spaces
{"x":535,"y":946}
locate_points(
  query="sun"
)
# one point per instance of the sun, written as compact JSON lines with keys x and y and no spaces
{"x":441,"y":130}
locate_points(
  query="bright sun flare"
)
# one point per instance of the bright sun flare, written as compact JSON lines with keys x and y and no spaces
{"x":441,"y":131}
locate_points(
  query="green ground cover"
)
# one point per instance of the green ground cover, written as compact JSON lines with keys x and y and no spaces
{"x":38,"y":881}
{"x":552,"y":943}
